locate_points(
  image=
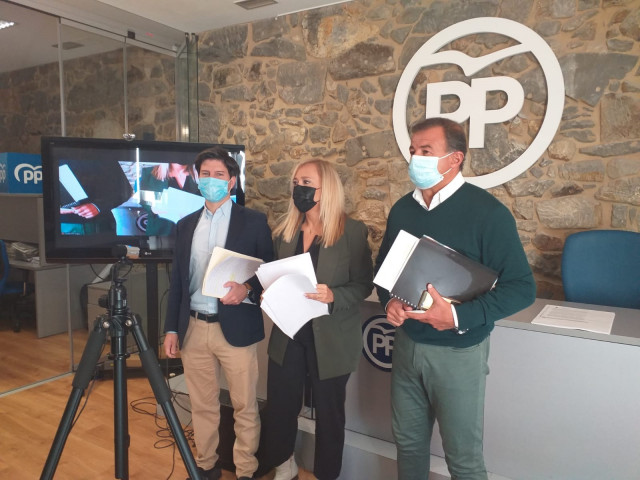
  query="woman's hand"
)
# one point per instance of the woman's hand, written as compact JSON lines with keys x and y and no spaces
{"x":323,"y":294}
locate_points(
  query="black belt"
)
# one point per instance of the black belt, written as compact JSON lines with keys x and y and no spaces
{"x":207,"y":317}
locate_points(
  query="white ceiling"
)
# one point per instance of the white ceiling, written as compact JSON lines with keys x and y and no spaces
{"x":161,"y":23}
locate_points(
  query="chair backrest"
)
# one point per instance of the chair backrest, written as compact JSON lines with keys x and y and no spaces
{"x":4,"y":265}
{"x":602,"y":267}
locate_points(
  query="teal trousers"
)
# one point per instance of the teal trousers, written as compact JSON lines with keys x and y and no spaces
{"x":447,"y":384}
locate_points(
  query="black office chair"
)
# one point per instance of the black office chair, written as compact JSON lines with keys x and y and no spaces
{"x":602,"y":267}
{"x":13,"y":295}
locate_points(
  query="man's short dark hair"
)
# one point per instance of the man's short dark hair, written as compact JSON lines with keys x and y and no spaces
{"x":453,"y":132}
{"x":218,"y":153}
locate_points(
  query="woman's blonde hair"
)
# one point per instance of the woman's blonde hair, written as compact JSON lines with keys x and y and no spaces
{"x":161,"y":171}
{"x":332,"y":211}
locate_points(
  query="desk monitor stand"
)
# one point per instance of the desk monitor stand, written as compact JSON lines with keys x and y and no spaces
{"x":118,"y":322}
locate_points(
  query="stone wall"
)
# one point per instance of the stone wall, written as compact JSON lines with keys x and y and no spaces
{"x":321,"y":84}
{"x":94,"y":99}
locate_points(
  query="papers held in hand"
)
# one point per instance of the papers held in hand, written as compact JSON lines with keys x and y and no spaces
{"x":414,"y":262}
{"x":285,"y":282}
{"x":227,"y":266}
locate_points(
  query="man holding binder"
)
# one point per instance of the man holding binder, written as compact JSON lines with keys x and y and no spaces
{"x":217,"y":333}
{"x":440,"y":357}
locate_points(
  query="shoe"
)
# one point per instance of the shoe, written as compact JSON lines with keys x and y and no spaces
{"x":287,"y":471}
{"x":211,"y":474}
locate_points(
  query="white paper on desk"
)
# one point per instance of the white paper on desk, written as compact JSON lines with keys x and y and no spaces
{"x":286,"y":305}
{"x":227,"y":266}
{"x":174,"y":204}
{"x":298,"y":264}
{"x":575,"y":318}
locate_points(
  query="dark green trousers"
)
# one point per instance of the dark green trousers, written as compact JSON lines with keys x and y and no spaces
{"x":447,"y":384}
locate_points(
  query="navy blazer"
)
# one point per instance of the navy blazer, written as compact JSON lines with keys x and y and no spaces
{"x":249,"y":234}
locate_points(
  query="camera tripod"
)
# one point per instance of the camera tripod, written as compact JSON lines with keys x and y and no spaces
{"x":118,"y":322}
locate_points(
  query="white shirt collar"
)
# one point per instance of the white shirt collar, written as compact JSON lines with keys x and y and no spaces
{"x":446,"y":191}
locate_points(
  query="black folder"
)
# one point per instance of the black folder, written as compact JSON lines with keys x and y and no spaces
{"x":455,"y":276}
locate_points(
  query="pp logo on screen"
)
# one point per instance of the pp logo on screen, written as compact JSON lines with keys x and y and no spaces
{"x":27,"y":173}
{"x":472,"y":98}
{"x":377,"y":339}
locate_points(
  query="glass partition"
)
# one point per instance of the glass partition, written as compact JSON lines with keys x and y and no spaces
{"x":111,"y":86}
{"x":29,"y":108}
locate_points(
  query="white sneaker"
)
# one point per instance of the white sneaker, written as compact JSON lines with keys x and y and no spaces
{"x":287,"y":471}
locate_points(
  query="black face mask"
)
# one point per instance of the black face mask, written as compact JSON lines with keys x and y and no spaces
{"x":303,"y":198}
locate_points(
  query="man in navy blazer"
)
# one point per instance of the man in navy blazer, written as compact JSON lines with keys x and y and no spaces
{"x":213,"y":333}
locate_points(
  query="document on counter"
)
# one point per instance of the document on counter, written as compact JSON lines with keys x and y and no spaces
{"x":286,"y":305}
{"x":575,"y":318}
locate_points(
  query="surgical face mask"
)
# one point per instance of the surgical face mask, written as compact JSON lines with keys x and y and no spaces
{"x":423,"y":171}
{"x":303,"y":197}
{"x":213,"y":189}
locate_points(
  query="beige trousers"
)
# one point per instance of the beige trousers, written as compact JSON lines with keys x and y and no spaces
{"x":205,"y":351}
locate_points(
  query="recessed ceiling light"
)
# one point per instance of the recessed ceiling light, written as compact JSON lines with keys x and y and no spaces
{"x":251,"y":4}
{"x":6,"y":24}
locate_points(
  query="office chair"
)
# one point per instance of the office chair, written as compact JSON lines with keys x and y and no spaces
{"x":602,"y":267}
{"x":14,"y":293}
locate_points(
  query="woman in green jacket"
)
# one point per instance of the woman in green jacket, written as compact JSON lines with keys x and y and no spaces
{"x":327,"y":348}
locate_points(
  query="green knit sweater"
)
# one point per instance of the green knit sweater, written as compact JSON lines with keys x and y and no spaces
{"x":474,"y":223}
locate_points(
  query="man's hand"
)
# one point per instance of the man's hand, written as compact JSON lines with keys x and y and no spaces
{"x":86,"y":210}
{"x":439,"y":315}
{"x":323,"y":294}
{"x":171,"y":345}
{"x":397,"y":312}
{"x":236,"y":294}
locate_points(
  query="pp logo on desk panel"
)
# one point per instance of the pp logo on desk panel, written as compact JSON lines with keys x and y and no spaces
{"x":377,"y":338}
{"x":472,"y":96}
{"x":27,"y":173}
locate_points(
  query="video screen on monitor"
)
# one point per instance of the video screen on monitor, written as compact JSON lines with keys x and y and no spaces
{"x":100,"y":193}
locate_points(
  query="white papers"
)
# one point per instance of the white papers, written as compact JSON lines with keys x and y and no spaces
{"x":269,"y":272}
{"x":285,"y":282}
{"x":175,"y":204}
{"x":575,"y":318}
{"x":286,"y":305}
{"x":227,"y":266}
{"x":394,"y":262}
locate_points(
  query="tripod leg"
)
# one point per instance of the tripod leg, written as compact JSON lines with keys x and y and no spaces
{"x":81,"y":379}
{"x":120,"y":404}
{"x":163,"y":396}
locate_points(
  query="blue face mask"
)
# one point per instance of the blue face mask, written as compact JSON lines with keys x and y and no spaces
{"x":213,"y":189}
{"x":423,"y":171}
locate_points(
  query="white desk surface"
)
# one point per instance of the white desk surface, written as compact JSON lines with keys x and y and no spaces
{"x":625,"y":330}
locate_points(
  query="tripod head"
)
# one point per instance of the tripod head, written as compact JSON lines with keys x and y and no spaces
{"x":116,"y":300}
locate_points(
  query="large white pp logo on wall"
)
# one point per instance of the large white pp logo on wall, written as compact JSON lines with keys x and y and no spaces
{"x":472,"y":98}
{"x":377,"y":339}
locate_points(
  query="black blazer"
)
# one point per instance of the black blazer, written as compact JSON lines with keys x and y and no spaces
{"x":249,"y":234}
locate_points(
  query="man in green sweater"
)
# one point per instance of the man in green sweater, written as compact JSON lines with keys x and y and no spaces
{"x":440,"y":356}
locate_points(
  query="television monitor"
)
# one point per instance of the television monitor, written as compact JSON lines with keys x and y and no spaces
{"x":101,"y":193}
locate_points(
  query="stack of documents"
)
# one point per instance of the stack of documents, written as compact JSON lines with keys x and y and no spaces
{"x":285,"y":282}
{"x":227,"y":266}
{"x":414,"y":262}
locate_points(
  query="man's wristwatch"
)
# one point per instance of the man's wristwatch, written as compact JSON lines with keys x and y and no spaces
{"x":250,"y":292}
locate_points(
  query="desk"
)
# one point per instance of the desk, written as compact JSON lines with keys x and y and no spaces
{"x":564,"y":404}
{"x":560,"y":404}
{"x":51,"y":295}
